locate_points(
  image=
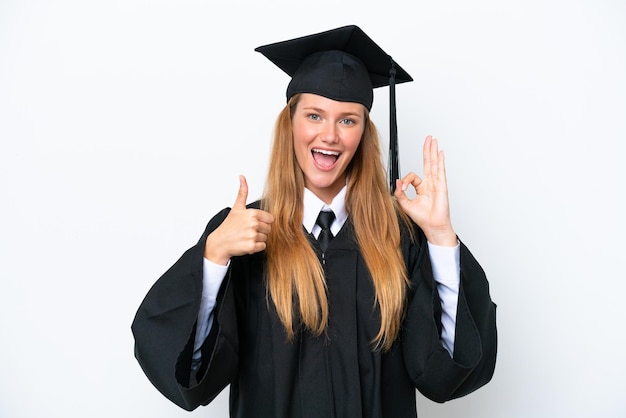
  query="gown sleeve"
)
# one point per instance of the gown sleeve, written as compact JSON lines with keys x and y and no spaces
{"x":434,"y":373}
{"x":164,"y":331}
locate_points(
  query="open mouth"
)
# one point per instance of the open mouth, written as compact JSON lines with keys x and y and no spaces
{"x":325,"y":158}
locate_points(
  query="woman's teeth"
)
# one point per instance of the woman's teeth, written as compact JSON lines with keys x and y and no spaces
{"x":325,"y":158}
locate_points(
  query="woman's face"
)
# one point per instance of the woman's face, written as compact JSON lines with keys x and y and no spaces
{"x":326,"y":134}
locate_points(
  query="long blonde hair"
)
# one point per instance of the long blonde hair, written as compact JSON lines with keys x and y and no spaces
{"x":298,"y":287}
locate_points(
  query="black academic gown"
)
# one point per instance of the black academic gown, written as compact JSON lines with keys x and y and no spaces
{"x":336,"y":375}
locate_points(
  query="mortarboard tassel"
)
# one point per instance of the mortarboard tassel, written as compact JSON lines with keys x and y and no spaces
{"x":394,"y":166}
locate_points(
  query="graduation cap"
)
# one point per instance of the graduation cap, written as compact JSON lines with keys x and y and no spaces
{"x":342,"y":64}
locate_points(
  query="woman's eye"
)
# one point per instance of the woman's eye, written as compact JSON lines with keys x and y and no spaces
{"x":347,"y":122}
{"x":314,"y":116}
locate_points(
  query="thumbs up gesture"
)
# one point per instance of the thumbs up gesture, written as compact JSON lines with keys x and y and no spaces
{"x":244,"y":231}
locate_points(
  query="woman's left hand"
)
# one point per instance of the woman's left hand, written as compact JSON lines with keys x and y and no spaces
{"x":430,"y":208}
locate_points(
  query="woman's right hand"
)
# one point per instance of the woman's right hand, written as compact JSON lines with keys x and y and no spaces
{"x":244,"y":231}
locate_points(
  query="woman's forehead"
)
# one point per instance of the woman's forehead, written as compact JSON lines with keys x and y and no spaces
{"x":311,"y":100}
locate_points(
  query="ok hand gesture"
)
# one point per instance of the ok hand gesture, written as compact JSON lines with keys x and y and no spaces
{"x":430,"y":208}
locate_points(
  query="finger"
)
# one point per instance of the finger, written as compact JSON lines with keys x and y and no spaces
{"x":403,"y":184}
{"x":263,"y":228}
{"x":412,"y":179}
{"x":258,"y":247}
{"x":242,"y":195}
{"x":434,"y":158}
{"x":264,"y":217}
{"x":261,"y":237}
{"x":426,"y":151}
{"x":399,"y":194}
{"x":442,"y":166}
{"x":253,"y":247}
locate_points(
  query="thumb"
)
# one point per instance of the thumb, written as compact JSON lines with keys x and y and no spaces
{"x":242,"y":195}
{"x":400,"y":194}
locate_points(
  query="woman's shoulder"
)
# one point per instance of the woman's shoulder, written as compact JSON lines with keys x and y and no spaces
{"x":254,"y":205}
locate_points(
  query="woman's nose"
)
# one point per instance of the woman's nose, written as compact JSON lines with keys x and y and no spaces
{"x":330,"y":133}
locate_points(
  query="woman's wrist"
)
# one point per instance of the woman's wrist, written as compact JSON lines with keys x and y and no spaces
{"x":214,"y":253}
{"x":446,"y":238}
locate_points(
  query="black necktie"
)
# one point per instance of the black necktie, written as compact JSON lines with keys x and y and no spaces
{"x":324,"y":220}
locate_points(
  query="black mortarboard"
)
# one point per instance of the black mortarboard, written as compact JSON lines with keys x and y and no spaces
{"x":342,"y":64}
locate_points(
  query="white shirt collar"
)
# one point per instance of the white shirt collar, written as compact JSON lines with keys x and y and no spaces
{"x":313,"y":205}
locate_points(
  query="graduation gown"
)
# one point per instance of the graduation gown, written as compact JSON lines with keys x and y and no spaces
{"x":338,"y":374}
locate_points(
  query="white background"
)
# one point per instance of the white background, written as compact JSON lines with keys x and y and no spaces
{"x":124,"y":125}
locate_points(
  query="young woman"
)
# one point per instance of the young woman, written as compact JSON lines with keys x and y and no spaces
{"x":306,"y":320}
